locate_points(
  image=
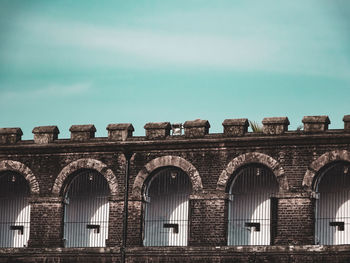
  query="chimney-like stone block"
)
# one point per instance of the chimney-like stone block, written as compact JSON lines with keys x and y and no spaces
{"x":197,"y":128}
{"x":45,"y":134}
{"x":235,"y":127}
{"x":314,"y":124}
{"x":120,"y":131}
{"x":346,"y":121}
{"x":10,"y":135}
{"x":275,"y":125}
{"x":157,"y":130}
{"x":82,"y":132}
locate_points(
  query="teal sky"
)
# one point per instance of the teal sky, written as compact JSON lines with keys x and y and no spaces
{"x":100,"y":62}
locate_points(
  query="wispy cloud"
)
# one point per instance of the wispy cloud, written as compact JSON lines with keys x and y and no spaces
{"x":49,"y":91}
{"x":248,"y":42}
{"x":159,"y":47}
{"x":150,"y":48}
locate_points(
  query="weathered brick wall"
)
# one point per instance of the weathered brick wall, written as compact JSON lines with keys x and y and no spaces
{"x":208,"y":222}
{"x":210,"y":160}
{"x":46,"y":222}
{"x":135,"y":223}
{"x":180,"y":255}
{"x":295,"y":224}
{"x":115,"y":228}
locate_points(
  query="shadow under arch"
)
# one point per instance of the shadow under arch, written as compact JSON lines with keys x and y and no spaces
{"x":15,"y":166}
{"x":252,"y":208}
{"x":86,"y":209}
{"x":86,"y":163}
{"x":225,"y":177}
{"x":166,"y":207}
{"x":332,"y":208}
{"x":14,"y":209}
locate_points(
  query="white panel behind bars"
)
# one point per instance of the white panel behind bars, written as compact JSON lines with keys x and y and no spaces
{"x":333,"y":205}
{"x":14,"y":212}
{"x":167,"y":202}
{"x":250,"y":202}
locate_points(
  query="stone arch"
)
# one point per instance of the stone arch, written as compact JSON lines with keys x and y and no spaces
{"x":9,"y":165}
{"x":163,"y":161}
{"x":320,"y":162}
{"x":85,"y":163}
{"x":253,"y":157}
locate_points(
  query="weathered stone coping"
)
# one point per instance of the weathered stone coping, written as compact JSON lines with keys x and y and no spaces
{"x":82,"y":132}
{"x":212,"y":250}
{"x":216,"y":137}
{"x":196,"y":129}
{"x":10,"y":135}
{"x":157,"y":130}
{"x":47,"y":199}
{"x":275,"y":125}
{"x":217,"y":195}
{"x":316,"y":123}
{"x":45,"y":134}
{"x":235,"y":127}
{"x":120,"y":131}
{"x":245,"y":249}
{"x":346,"y":121}
{"x":59,"y":250}
{"x":217,"y":144}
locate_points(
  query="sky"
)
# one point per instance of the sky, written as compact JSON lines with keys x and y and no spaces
{"x":101,"y":62}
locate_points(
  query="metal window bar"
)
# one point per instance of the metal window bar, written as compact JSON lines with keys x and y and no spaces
{"x":252,"y":208}
{"x":333,"y":206}
{"x":14,"y":210}
{"x":166,"y":208}
{"x":86,"y":211}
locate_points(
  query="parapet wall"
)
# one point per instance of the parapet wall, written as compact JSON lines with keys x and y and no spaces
{"x":165,"y":130}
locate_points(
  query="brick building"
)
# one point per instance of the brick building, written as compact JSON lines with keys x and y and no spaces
{"x":237,"y":196}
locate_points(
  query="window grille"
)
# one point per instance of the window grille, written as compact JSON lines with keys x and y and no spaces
{"x":166,"y":207}
{"x":14,"y":210}
{"x":252,"y":208}
{"x":86,"y":211}
{"x":333,"y":206}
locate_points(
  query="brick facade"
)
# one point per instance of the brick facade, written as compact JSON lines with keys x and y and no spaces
{"x":210,"y":160}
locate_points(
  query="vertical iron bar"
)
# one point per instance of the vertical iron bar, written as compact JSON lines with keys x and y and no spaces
{"x":126,"y":198}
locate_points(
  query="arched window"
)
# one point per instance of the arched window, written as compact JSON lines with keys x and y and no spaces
{"x":14,"y":210}
{"x":166,"y":199}
{"x":333,"y":205}
{"x":252,"y":209}
{"x":86,"y":210}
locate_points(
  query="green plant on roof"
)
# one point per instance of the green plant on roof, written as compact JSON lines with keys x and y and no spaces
{"x":256,"y":127}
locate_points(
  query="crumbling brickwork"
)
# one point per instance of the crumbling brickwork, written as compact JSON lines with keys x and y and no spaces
{"x":210,"y":160}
